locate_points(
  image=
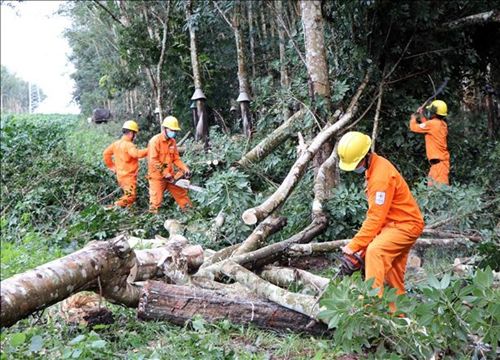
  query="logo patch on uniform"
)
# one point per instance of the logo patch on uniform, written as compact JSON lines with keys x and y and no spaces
{"x":422,"y":126}
{"x":380,"y":197}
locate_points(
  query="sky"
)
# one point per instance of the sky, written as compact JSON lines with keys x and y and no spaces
{"x":34,"y":48}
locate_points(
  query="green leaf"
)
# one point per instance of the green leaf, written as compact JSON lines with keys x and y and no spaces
{"x":77,"y":339}
{"x":98,"y":344}
{"x":445,"y":281}
{"x":434,"y":282}
{"x":17,"y":339}
{"x":76,"y":353}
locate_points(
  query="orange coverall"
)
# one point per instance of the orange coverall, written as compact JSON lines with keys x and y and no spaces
{"x":126,"y":165}
{"x":162,"y":156}
{"x":436,"y":148}
{"x":392,"y":225}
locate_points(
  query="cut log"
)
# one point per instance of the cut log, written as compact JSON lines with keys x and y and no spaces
{"x":150,"y":263}
{"x":305,"y":304}
{"x":285,"y":277}
{"x":258,"y":213}
{"x":33,"y":290}
{"x":178,"y":304}
{"x":265,"y":229}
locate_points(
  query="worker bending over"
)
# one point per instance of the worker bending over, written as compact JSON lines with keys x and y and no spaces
{"x":162,"y":157}
{"x":393,"y":221}
{"x":436,"y":133}
{"x":122,"y":157}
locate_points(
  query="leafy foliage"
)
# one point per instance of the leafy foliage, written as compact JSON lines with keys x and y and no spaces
{"x":453,"y":316}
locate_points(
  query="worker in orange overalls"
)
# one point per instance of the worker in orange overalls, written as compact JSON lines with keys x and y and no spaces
{"x":122,"y":157}
{"x":436,"y":133}
{"x":393,"y":221}
{"x":162,"y":157}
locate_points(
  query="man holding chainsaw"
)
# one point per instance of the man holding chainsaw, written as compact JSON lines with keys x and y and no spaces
{"x":162,"y":157}
{"x":122,"y":158}
{"x":432,"y":123}
{"x":393,"y":221}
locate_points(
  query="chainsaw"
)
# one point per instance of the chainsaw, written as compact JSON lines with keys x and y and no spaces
{"x":181,"y":181}
{"x":349,"y":264}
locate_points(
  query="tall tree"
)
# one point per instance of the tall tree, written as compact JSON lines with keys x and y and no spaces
{"x":244,"y":87}
{"x":198,"y":95}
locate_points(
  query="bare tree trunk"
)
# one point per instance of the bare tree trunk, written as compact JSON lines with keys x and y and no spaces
{"x":256,"y":214}
{"x":276,"y":138}
{"x":286,"y":277}
{"x":107,"y":263}
{"x":252,"y":37}
{"x":377,"y":114}
{"x":177,"y":304}
{"x":317,"y":69}
{"x":492,"y":16}
{"x":265,"y":229}
{"x":284,"y":80}
{"x":269,"y":253}
{"x":304,"y":304}
{"x":198,"y":96}
{"x":244,"y":96}
{"x":322,"y":188}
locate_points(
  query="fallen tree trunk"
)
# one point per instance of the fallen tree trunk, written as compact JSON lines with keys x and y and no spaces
{"x":329,"y":246}
{"x":108,"y":263}
{"x":285,"y":277}
{"x":276,"y":138}
{"x":150,"y":263}
{"x":305,"y":304}
{"x":270,"y":253}
{"x":265,"y":229}
{"x":258,"y":213}
{"x":178,"y":304}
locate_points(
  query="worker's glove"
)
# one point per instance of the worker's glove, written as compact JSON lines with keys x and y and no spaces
{"x":187,"y":174}
{"x":169,"y":178}
{"x":347,"y":250}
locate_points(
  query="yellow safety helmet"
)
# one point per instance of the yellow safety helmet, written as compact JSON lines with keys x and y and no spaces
{"x":171,"y":122}
{"x":131,"y":125}
{"x":438,"y":107}
{"x":353,"y":147}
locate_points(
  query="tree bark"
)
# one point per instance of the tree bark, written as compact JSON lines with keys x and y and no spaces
{"x":256,"y":214}
{"x":377,"y":115}
{"x":286,"y":277}
{"x":317,"y":67}
{"x":202,"y":124}
{"x":276,"y":138}
{"x":270,"y":253}
{"x":330,"y":246}
{"x":178,"y":304}
{"x":284,"y":80}
{"x":265,"y":229}
{"x":304,"y":304}
{"x":109,"y":261}
{"x":252,"y":37}
{"x":244,"y":87}
{"x":492,"y":16}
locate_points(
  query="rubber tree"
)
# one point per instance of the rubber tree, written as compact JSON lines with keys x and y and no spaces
{"x":244,"y":88}
{"x":201,"y":130}
{"x":317,"y":69}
